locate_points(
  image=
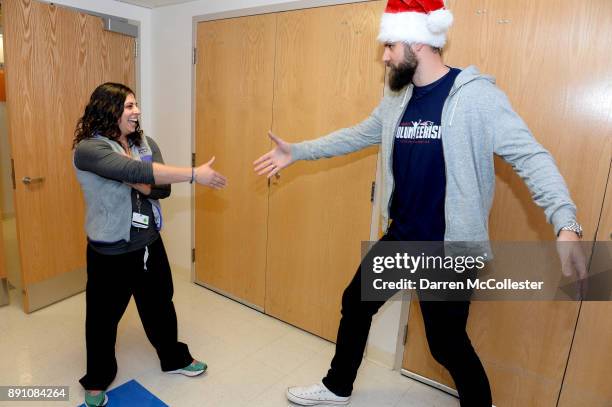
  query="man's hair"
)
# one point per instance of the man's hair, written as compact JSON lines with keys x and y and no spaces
{"x":436,"y":50}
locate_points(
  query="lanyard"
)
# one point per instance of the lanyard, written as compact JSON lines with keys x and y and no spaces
{"x":138,"y":204}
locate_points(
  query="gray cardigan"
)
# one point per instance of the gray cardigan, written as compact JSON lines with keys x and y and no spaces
{"x":477,"y":122}
{"x":103,"y":170}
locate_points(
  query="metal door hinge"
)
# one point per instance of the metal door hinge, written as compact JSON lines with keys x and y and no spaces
{"x":193,"y":255}
{"x":373,"y":191}
{"x":405,"y":334}
{"x":135,"y":48}
{"x":195,"y":55}
{"x":193,"y":159}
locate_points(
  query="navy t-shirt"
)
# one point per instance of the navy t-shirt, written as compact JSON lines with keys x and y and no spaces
{"x":417,"y":205}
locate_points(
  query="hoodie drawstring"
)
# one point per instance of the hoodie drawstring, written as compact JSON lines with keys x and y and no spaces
{"x":450,"y":123}
{"x":146,"y":256}
{"x":404,"y":100}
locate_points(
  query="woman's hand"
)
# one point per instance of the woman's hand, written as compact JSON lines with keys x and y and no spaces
{"x":205,"y":175}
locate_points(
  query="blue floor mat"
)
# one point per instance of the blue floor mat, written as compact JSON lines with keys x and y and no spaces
{"x":132,"y":394}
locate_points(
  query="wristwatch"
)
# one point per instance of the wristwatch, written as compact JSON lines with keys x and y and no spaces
{"x":573,"y":227}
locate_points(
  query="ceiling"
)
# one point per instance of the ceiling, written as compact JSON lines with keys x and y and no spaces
{"x":155,"y":3}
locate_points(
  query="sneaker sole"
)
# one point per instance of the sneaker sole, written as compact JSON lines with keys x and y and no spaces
{"x":309,"y":402}
{"x":187,"y":372}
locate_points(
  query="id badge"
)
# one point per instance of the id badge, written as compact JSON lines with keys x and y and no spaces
{"x":139,"y":220}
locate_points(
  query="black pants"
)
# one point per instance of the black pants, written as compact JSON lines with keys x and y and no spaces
{"x":111,"y":282}
{"x":445,"y":327}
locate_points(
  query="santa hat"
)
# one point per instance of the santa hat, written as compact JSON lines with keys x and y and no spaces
{"x":415,"y":21}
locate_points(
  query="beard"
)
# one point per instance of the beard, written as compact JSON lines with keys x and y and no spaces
{"x":402,"y":74}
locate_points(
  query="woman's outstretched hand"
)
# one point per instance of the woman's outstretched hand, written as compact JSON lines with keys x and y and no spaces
{"x":205,"y":175}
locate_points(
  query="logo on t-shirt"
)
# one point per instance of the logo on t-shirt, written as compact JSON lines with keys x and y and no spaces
{"x":418,"y":132}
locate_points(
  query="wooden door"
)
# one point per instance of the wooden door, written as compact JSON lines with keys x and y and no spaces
{"x":589,"y":370}
{"x":329,"y":75}
{"x":234,"y":76}
{"x":54,"y":58}
{"x":551,"y":61}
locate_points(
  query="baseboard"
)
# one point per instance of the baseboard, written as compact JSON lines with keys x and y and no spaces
{"x":431,"y":383}
{"x":230,"y":296}
{"x":56,"y":289}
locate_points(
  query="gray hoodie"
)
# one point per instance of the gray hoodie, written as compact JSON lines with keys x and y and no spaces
{"x":477,"y":122}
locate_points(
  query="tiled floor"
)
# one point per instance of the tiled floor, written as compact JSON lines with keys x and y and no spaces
{"x":252,"y":357}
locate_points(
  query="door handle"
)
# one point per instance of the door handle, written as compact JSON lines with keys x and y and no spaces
{"x":28,"y":180}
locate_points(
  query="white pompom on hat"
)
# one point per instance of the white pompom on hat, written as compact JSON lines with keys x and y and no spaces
{"x":415,"y":22}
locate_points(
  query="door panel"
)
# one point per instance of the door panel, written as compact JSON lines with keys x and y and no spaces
{"x":523,"y":347}
{"x":328,"y":75}
{"x":587,"y":381}
{"x":551,"y":62}
{"x":55,"y":57}
{"x":234,"y":77}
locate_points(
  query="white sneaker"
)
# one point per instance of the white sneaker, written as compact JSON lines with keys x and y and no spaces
{"x":313,"y":395}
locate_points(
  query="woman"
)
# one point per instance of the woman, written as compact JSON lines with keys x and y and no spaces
{"x":122,"y":176}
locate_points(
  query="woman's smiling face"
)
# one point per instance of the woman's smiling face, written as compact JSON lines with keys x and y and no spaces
{"x":129,"y":119}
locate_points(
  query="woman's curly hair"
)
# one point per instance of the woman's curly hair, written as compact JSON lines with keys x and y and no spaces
{"x":102,"y":114}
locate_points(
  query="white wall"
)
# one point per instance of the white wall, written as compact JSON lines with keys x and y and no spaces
{"x":172,"y":118}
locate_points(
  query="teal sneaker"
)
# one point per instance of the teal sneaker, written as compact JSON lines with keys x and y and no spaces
{"x":195,"y":368}
{"x":98,"y":400}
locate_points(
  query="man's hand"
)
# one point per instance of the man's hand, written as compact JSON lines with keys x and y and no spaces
{"x":573,"y":259}
{"x":274,"y":160}
{"x":205,"y":175}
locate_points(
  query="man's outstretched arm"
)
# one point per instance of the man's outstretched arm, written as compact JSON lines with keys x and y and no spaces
{"x":534,"y":164}
{"x":339,"y":142}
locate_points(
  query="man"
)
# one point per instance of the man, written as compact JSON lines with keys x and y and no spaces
{"x":439,"y":128}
